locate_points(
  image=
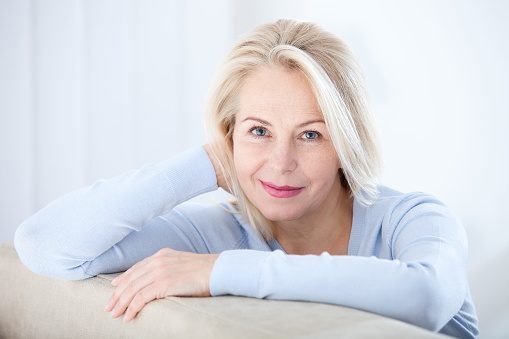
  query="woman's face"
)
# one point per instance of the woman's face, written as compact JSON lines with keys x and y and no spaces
{"x":283,"y":155}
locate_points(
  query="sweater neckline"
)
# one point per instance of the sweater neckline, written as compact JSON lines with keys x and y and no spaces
{"x":356,"y":232}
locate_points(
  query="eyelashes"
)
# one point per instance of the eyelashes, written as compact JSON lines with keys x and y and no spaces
{"x":259,"y":132}
{"x":311,"y":135}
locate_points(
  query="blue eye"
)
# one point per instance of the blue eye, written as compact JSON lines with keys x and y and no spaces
{"x":259,"y":131}
{"x":310,"y":135}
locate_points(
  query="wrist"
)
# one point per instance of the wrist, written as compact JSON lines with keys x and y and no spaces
{"x":221,"y":182}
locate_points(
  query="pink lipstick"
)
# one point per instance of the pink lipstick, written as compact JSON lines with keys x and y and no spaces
{"x":281,"y":191}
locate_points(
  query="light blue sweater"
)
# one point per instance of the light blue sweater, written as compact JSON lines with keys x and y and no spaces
{"x":407,"y":254}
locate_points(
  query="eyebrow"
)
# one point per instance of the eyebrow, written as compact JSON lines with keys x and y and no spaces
{"x":266,"y":123}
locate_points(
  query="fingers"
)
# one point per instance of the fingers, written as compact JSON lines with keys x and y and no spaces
{"x":141,"y":298}
{"x":122,"y":284}
{"x":131,"y":282}
{"x":124,"y":295}
{"x":127,"y":279}
{"x":166,"y":273}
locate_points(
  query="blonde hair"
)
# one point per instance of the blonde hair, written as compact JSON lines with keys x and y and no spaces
{"x":338,"y":84}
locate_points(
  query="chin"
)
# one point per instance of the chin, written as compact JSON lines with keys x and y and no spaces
{"x":280,"y":214}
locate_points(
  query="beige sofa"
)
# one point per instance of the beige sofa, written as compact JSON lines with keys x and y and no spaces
{"x":34,"y":306}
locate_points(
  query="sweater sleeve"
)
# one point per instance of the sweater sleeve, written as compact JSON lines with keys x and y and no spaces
{"x":66,"y":236}
{"x":423,"y":283}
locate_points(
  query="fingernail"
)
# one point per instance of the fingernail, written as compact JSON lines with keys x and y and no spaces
{"x":109,"y":305}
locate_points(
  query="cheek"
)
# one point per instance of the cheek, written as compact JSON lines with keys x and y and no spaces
{"x":324,"y":172}
{"x":322,"y":167}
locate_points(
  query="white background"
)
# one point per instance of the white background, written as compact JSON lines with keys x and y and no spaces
{"x":89,"y":89}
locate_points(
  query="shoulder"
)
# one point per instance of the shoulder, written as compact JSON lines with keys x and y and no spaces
{"x":393,"y":210}
{"x":416,"y":214}
{"x":394,"y":204}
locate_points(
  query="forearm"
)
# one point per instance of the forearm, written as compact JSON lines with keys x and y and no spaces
{"x":83,"y":224}
{"x":406,"y":291}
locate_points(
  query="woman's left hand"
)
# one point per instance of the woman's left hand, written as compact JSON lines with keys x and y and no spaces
{"x":166,"y":273}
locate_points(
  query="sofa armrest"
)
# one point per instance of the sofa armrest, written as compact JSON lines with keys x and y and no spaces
{"x":35,"y":306}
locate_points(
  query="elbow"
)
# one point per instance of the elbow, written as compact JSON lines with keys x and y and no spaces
{"x":430,"y":313}
{"x":39,"y":256}
{"x":26,"y":245}
{"x":436,"y":302}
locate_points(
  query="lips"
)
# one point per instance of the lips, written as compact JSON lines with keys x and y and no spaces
{"x":281,"y":191}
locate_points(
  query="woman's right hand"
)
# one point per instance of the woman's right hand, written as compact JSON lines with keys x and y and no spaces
{"x":221,"y":182}
{"x":166,"y":273}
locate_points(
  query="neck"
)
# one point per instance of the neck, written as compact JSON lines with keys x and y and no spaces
{"x":325,"y":230}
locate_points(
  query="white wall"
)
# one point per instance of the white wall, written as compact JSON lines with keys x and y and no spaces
{"x":89,"y":89}
{"x":94,"y":88}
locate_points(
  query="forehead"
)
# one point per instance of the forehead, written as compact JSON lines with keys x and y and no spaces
{"x":278,"y":92}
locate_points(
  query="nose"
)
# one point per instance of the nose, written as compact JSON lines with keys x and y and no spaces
{"x":283,"y":157}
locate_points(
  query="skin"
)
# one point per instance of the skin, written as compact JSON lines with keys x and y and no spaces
{"x":280,"y":139}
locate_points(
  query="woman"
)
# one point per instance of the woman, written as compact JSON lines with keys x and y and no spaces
{"x":293,"y":139}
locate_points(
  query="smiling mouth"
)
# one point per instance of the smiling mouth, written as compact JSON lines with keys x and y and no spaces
{"x":281,"y":191}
